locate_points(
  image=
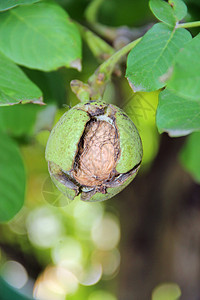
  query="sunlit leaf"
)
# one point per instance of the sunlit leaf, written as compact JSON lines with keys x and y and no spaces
{"x":7,"y":4}
{"x":177,"y":115}
{"x":40,"y":36}
{"x":190,"y":155}
{"x":185,"y":79}
{"x":12,"y":179}
{"x":150,"y":60}
{"x":15,"y":86}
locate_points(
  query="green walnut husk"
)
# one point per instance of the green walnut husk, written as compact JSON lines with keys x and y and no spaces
{"x":94,"y":151}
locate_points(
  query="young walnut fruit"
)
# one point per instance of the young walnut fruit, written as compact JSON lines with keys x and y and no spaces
{"x":94,"y":150}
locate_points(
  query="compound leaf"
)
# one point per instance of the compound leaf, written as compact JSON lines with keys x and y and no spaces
{"x":7,"y":4}
{"x":15,"y":86}
{"x":185,"y":79}
{"x":168,"y":12}
{"x":40,"y":36}
{"x":150,"y":60}
{"x":177,"y":115}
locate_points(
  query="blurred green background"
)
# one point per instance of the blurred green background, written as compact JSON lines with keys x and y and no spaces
{"x":142,"y":244}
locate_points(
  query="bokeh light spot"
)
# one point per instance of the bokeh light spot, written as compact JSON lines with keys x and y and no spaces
{"x":106,"y":232}
{"x":44,"y":227}
{"x":14,"y":274}
{"x":55,"y":283}
{"x":86,"y":214}
{"x":110,"y":261}
{"x":91,"y":275}
{"x":100,"y":294}
{"x":166,"y":291}
{"x":68,"y":253}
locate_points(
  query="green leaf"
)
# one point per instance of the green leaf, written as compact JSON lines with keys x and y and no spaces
{"x":19,"y":120}
{"x":179,"y":8}
{"x":185,"y":79}
{"x":7,"y":4}
{"x":177,"y":115}
{"x":40,"y":36}
{"x":150,"y":60}
{"x":52,"y":84}
{"x":12,"y":179}
{"x":15,"y":87}
{"x":163,"y":11}
{"x":189,"y":155}
{"x":24,"y":121}
{"x":168,"y":12}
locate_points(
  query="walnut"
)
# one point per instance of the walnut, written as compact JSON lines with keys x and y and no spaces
{"x":94,"y":151}
{"x":98,"y":154}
